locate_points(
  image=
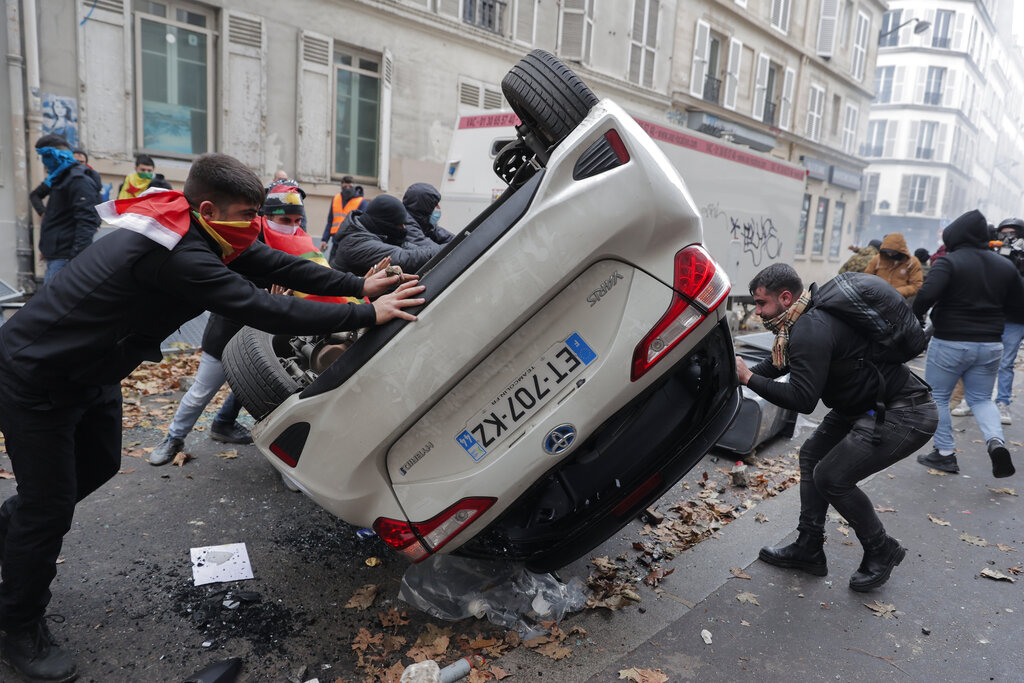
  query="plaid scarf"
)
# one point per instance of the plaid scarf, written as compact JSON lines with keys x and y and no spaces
{"x":781,"y":324}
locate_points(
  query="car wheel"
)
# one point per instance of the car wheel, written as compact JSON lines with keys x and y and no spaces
{"x":547,"y":96}
{"x":255,"y":372}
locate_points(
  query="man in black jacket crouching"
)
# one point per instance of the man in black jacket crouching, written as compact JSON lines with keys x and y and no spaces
{"x":822,"y":355}
{"x":63,"y":355}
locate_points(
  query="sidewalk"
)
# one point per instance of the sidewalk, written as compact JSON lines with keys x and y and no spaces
{"x":941,"y":621}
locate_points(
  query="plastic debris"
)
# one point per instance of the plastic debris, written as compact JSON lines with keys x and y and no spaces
{"x":508,"y":595}
{"x":364,"y":534}
{"x":706,"y":635}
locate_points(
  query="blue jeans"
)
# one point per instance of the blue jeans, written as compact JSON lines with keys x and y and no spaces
{"x":53,"y":265}
{"x":842,"y":452}
{"x":977,"y":363}
{"x":1013,"y":333}
{"x":209,"y":379}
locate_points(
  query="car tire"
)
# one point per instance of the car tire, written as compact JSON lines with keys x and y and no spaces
{"x":547,"y":96}
{"x":255,"y":374}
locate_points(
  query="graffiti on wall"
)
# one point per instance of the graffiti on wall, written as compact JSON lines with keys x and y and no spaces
{"x":60,"y":116}
{"x":759,"y":238}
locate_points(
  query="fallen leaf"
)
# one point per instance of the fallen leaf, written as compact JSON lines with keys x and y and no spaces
{"x":744,"y":622}
{"x":655,"y":577}
{"x":747,"y":598}
{"x":706,"y":635}
{"x":393,"y":618}
{"x":364,"y":639}
{"x":363,"y":597}
{"x":760,"y":518}
{"x":844,"y":530}
{"x":603,"y":564}
{"x":642,"y":675}
{"x":4,"y":474}
{"x":1016,"y":569}
{"x":937,"y":473}
{"x":554,"y":651}
{"x":935,"y":520}
{"x":129,"y":471}
{"x":882,"y":508}
{"x":498,"y":672}
{"x":881,"y":609}
{"x":372,"y":561}
{"x":973,"y":540}
{"x":997,"y":575}
{"x":1006,"y":548}
{"x":739,"y":573}
{"x":227,"y":455}
{"x":181,"y":458}
{"x":1009,"y":492}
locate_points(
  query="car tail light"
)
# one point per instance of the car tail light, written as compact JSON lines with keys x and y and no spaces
{"x":699,"y":286}
{"x":604,"y":155}
{"x":417,"y":541}
{"x":289,"y":443}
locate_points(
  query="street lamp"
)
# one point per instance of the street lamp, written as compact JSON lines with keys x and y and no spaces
{"x":921,"y":27}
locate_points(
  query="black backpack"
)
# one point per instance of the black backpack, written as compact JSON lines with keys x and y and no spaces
{"x":874,"y":308}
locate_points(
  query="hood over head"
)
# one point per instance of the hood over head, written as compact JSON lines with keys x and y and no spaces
{"x":386,"y":216}
{"x":420,"y":200}
{"x":895,"y":242}
{"x":969,"y":230}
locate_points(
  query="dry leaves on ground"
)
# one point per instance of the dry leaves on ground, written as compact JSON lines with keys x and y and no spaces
{"x":935,"y":520}
{"x":739,"y":573}
{"x":882,"y":609}
{"x":4,"y":474}
{"x":996,"y":575}
{"x":227,"y":455}
{"x":1006,"y":491}
{"x":747,"y":598}
{"x":1006,"y":548}
{"x":607,"y":588}
{"x":973,"y":540}
{"x":642,"y":675}
{"x":363,"y":597}
{"x":937,"y":473}
{"x":181,"y":458}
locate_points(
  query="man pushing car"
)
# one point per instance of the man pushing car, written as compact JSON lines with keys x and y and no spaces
{"x":63,"y":355}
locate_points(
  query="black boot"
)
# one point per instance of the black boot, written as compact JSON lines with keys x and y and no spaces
{"x":807,"y":554}
{"x":880,"y":556}
{"x":32,"y":652}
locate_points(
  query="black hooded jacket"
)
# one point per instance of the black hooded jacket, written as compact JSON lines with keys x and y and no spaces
{"x":973,"y":290}
{"x":368,"y":236}
{"x":71,"y":219}
{"x":420,"y":200}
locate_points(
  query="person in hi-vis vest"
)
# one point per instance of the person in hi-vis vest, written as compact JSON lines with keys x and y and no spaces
{"x":349,"y":199}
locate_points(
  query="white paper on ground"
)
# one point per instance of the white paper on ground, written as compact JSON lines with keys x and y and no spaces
{"x":218,"y":563}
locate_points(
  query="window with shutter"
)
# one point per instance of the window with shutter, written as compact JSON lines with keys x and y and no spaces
{"x":786,"y":109}
{"x":860,"y":46}
{"x":780,"y":15}
{"x":479,"y":95}
{"x":732,"y":73}
{"x":828,"y":20}
{"x":576,"y":27}
{"x":526,"y":22}
{"x":850,"y":121}
{"x":643,"y":42}
{"x":815,"y":109}
{"x":890,"y":36}
{"x":358,"y":111}
{"x":760,"y":85}
{"x":699,"y":67}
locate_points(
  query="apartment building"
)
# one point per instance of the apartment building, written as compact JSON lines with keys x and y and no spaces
{"x":946,"y":132}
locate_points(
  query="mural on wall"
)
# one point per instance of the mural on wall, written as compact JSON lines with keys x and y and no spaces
{"x":60,"y":116}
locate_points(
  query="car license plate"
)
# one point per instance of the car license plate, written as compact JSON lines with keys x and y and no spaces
{"x":525,"y":395}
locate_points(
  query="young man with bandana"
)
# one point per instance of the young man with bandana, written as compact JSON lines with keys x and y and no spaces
{"x":70,"y":220}
{"x":63,"y":355}
{"x":823,"y":356}
{"x":143,"y":178}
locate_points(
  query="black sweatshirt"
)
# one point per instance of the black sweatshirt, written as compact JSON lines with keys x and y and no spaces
{"x":111,"y":307}
{"x":71,"y":219}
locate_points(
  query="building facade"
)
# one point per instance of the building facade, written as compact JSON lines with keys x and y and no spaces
{"x":373,"y":88}
{"x":946,"y":133}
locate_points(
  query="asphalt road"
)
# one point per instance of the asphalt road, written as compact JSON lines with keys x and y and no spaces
{"x":132,"y":612}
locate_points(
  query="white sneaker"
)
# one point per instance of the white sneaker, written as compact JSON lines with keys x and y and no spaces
{"x":961,"y":410}
{"x":1004,"y":413}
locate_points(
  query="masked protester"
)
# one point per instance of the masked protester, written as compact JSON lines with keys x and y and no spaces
{"x":345,"y":202}
{"x":143,"y":178}
{"x":861,"y":258}
{"x":971,"y":292}
{"x":379,"y":232}
{"x":895,"y":264}
{"x":823,"y":354}
{"x":421,"y":200}
{"x":63,"y":355}
{"x":70,"y":221}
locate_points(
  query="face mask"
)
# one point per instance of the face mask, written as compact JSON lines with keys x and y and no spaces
{"x":145,"y":176}
{"x":55,"y":159}
{"x":282,"y":228}
{"x":233,"y":237}
{"x":435,"y":216}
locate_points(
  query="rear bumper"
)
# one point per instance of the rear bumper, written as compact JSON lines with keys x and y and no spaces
{"x":630,"y":461}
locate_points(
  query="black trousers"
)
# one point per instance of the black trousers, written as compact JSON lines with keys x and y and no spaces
{"x":61,"y":451}
{"x":841,"y":452}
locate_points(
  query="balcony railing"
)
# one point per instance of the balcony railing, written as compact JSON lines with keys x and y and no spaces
{"x":924,"y":153}
{"x":712,"y":89}
{"x":941,"y":41}
{"x":769,"y":113}
{"x":933,"y":98}
{"x":871,"y":150}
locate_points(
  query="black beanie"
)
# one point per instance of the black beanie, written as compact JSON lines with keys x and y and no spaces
{"x":877,"y":244}
{"x":386,"y":216}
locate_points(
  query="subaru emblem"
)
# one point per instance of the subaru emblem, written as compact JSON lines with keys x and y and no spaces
{"x":560,"y":439}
